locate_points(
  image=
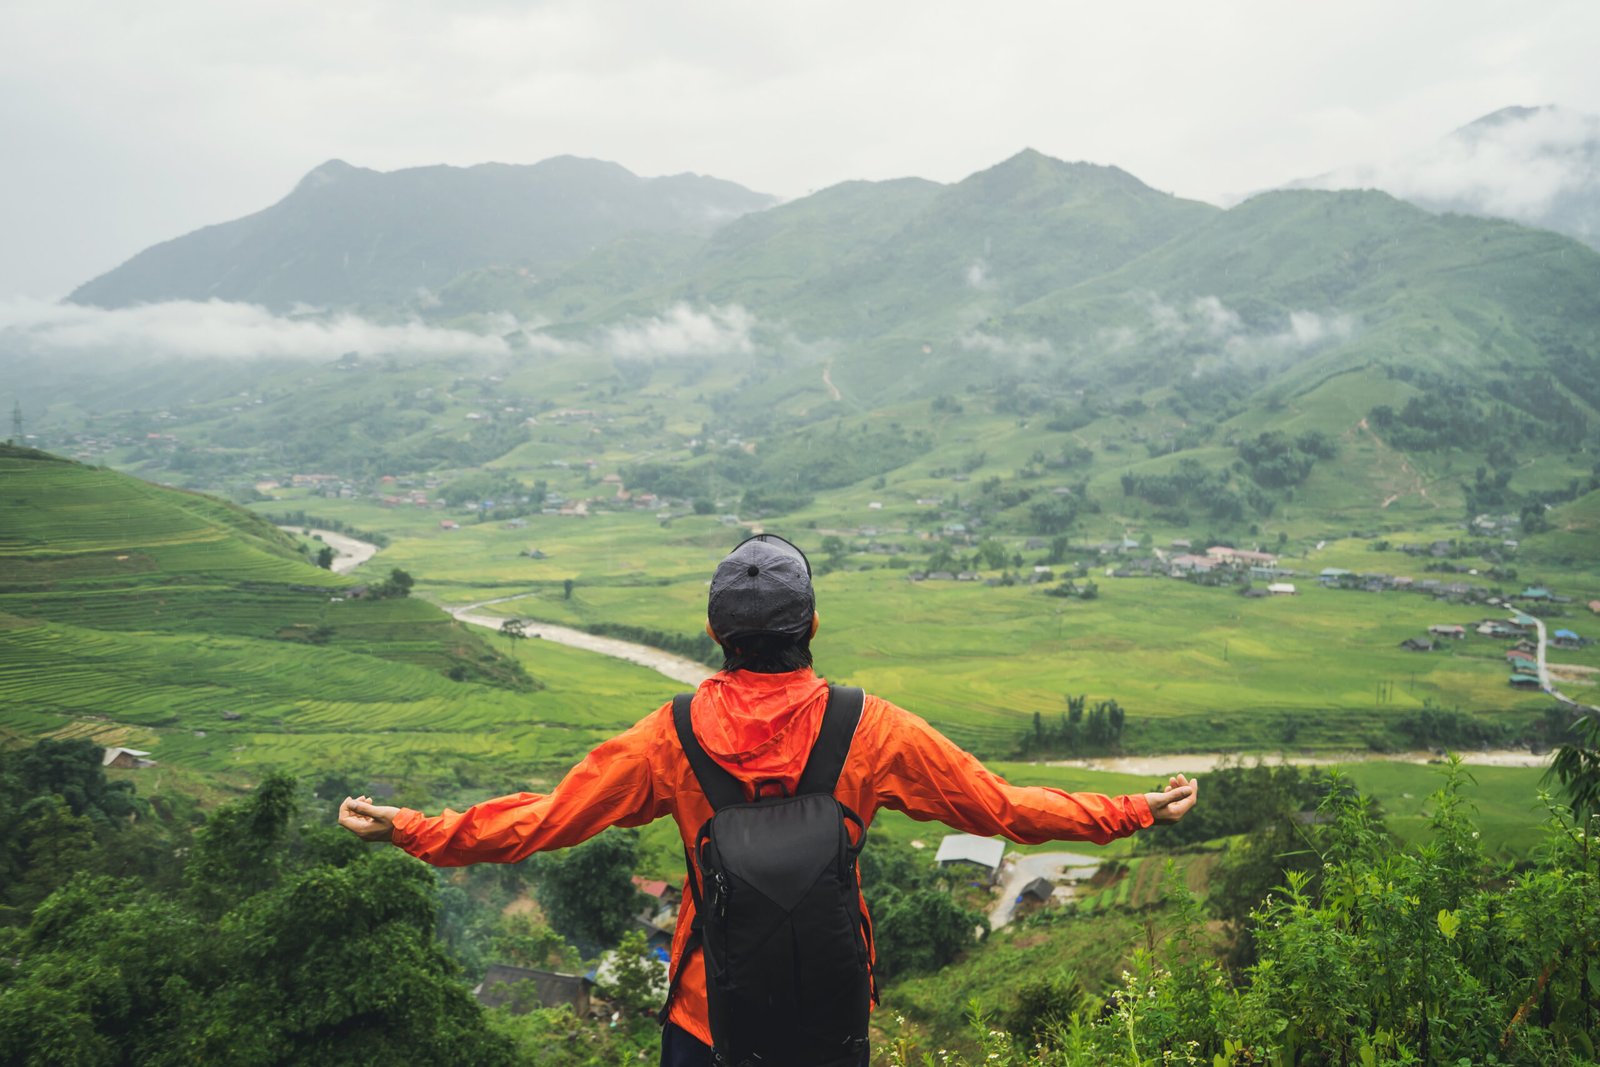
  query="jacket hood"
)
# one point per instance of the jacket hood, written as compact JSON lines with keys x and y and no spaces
{"x":760,"y":725}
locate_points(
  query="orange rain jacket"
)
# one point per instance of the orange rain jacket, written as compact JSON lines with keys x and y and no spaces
{"x":761,"y":726}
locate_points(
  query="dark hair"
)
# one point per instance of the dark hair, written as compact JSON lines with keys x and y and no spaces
{"x":767,"y":653}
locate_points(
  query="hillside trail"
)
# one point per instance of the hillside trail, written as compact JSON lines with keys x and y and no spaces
{"x":827,"y":379}
{"x":1417,"y":486}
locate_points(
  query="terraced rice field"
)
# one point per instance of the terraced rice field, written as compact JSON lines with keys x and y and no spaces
{"x":178,"y":624}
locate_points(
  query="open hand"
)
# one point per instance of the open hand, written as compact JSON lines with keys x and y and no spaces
{"x":368,"y":821}
{"x":1179,"y":797}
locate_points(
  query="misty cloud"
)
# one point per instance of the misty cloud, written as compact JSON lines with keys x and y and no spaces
{"x":1519,"y":165}
{"x":683,"y":331}
{"x":1222,"y":338}
{"x":218,"y":329}
{"x":1006,"y":347}
{"x":977,"y":274}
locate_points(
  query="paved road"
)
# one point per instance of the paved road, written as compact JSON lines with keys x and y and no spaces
{"x":1024,"y":868}
{"x":1544,"y":670}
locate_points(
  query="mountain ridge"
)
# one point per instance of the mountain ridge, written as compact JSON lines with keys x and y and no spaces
{"x":352,"y":236}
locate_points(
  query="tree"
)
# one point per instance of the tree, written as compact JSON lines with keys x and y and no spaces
{"x":521,"y":942}
{"x":991,"y":555}
{"x":398,"y":584}
{"x":1052,"y":516}
{"x":636,"y":981}
{"x":566,"y":589}
{"x":922,"y":931}
{"x":1577,"y":767}
{"x":238,"y":851}
{"x":587,"y":892}
{"x":325,"y":556}
{"x":513,"y":630}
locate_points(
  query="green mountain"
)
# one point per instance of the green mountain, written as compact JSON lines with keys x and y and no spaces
{"x":860,"y":259}
{"x":1344,"y":352}
{"x":352,"y":236}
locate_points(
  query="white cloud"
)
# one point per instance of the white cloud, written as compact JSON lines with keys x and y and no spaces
{"x":1223,"y":338}
{"x":683,"y":331}
{"x":1010,"y":347}
{"x":221,"y":330}
{"x":977,"y":274}
{"x":1218,"y":318}
{"x":1516,"y":168}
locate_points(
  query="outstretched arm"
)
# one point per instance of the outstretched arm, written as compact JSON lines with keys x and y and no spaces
{"x":927,"y":776}
{"x":615,"y":785}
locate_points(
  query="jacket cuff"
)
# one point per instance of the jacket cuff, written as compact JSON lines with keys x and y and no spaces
{"x":1141,"y":811}
{"x":405,"y":825}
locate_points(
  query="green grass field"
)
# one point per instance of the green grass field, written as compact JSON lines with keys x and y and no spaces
{"x":178,"y":624}
{"x":1194,"y":666}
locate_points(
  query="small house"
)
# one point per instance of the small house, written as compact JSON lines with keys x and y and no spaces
{"x":1524,"y":681}
{"x":664,"y":892}
{"x":1565,"y":639}
{"x":125,"y":758}
{"x":979,"y":854}
{"x":1456,"y":632}
{"x":1594,"y":606}
{"x":1281,"y":589}
{"x":1417,"y":644}
{"x":1535,"y":592}
{"x":521,"y":989}
{"x":1034,"y":895}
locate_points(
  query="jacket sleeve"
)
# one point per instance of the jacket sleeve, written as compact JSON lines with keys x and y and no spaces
{"x":615,"y":785}
{"x":924,"y":774}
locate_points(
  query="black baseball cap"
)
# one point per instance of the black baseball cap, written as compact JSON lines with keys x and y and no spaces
{"x":762,"y":587}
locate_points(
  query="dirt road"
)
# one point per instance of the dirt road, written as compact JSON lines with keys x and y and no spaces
{"x":678,"y":668}
{"x":1023,"y":869}
{"x":349,"y":553}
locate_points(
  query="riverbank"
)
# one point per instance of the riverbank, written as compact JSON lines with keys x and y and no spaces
{"x":1194,"y":763}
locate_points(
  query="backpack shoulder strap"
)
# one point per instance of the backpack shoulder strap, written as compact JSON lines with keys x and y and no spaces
{"x":720,"y":787}
{"x":839,"y":721}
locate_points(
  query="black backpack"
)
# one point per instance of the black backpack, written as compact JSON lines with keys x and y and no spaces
{"x":778,"y":909}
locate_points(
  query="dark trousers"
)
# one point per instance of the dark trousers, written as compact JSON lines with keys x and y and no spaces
{"x":680,"y":1048}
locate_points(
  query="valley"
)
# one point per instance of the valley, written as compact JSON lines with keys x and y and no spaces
{"x":1300,"y":496}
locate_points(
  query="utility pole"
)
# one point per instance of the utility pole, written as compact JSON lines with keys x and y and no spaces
{"x":16,"y":423}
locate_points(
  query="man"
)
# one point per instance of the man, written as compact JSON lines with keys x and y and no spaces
{"x":758,"y":719}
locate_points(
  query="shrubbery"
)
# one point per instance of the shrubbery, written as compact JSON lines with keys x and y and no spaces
{"x":1380,"y":955}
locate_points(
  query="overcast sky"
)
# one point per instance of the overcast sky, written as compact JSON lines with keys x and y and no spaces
{"x":124,"y":124}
